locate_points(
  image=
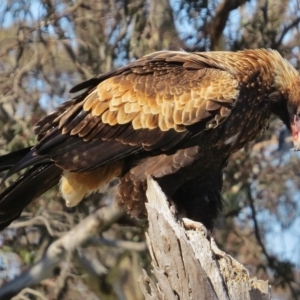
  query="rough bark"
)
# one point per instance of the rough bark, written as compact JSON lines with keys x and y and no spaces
{"x":186,"y":264}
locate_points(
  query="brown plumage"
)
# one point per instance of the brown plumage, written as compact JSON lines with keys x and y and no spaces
{"x":176,"y":116}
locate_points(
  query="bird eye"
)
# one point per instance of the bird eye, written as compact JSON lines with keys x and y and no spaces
{"x":298,"y":114}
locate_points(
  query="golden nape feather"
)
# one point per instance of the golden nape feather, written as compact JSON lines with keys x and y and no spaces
{"x":172,"y":115}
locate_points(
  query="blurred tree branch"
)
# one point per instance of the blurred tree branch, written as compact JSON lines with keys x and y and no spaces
{"x":218,"y":23}
{"x":284,"y":270}
{"x":95,"y":223}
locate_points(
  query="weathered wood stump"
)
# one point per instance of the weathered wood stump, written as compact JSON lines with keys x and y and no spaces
{"x":188,"y":265}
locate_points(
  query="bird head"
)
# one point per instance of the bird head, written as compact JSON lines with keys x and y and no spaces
{"x":293,"y":105}
{"x":287,"y":83}
{"x":292,"y":96}
{"x":295,"y":127}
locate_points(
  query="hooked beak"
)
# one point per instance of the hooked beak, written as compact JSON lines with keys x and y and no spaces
{"x":296,"y":132}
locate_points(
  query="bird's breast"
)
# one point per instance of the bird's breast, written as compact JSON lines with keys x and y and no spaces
{"x":247,"y":120}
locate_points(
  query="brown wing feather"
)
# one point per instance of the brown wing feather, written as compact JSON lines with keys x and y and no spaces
{"x":145,"y":106}
{"x":174,"y":99}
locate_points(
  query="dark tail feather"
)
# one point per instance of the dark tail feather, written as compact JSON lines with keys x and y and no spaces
{"x":8,"y":160}
{"x":29,"y":159}
{"x":28,"y":187}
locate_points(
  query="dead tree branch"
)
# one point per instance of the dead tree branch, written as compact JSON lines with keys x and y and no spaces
{"x":188,"y":265}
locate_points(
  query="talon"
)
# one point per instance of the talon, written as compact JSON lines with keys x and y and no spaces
{"x":193,"y":225}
